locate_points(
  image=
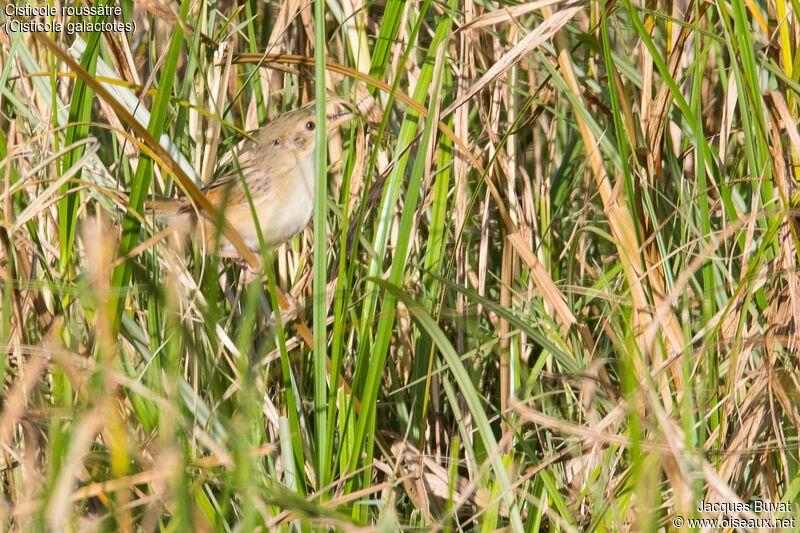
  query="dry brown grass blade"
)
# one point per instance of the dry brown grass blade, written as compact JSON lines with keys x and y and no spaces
{"x":720,"y":491}
{"x":789,"y":124}
{"x":218,"y":84}
{"x":621,"y":222}
{"x":623,"y":229}
{"x":158,"y":9}
{"x":653,"y":122}
{"x":13,"y":278}
{"x":140,"y":478}
{"x":670,"y":326}
{"x":506,"y":274}
{"x":16,"y":399}
{"x":58,"y":508}
{"x":583,"y":433}
{"x":664,"y":307}
{"x":506,"y":14}
{"x":11,"y":274}
{"x":557,"y":302}
{"x":45,"y":198}
{"x":781,"y":172}
{"x":530,"y":42}
{"x":431,"y":483}
{"x":790,"y":241}
{"x":658,"y":109}
{"x":551,"y":294}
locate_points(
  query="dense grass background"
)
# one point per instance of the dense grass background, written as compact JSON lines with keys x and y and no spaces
{"x":551,"y":284}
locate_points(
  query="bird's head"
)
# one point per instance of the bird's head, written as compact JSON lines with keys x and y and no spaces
{"x":296,"y":130}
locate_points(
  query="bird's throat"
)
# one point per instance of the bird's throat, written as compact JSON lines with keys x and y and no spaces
{"x":309,"y":175}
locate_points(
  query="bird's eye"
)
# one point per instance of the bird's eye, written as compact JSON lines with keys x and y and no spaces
{"x":310,"y":125}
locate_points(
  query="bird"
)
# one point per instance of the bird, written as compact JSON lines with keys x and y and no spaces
{"x":278,"y":164}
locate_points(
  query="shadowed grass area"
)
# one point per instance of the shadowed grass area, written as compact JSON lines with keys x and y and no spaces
{"x":550,"y":283}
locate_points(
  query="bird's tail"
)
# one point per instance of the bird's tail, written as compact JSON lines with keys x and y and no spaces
{"x":167,"y":211}
{"x":164,"y":208}
{"x":173,"y":212}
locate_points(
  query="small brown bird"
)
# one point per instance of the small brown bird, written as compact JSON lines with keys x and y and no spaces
{"x":278,"y":164}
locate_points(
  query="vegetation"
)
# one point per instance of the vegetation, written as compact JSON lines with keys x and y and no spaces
{"x":551,"y":282}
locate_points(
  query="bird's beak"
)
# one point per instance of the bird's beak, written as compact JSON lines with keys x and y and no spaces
{"x":338,"y":119}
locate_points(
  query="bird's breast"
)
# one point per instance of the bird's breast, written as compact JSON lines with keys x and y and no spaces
{"x":291,"y":205}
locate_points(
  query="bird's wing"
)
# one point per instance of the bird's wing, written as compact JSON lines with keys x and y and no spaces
{"x":258,"y":164}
